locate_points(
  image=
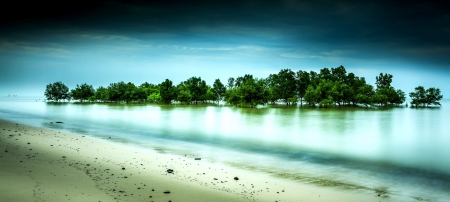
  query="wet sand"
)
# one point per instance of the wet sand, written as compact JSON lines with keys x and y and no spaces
{"x":39,"y":164}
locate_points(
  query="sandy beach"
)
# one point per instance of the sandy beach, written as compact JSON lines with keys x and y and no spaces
{"x":39,"y":164}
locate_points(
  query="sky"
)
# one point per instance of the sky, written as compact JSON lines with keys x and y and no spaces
{"x":102,"y":42}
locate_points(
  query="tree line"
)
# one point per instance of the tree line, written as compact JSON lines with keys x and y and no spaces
{"x":326,"y":88}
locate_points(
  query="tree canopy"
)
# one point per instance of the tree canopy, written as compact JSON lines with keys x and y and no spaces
{"x":421,"y":97}
{"x":326,"y":88}
{"x":82,"y":92}
{"x":56,"y":91}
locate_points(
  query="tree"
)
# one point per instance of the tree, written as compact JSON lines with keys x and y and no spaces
{"x":116,"y":90}
{"x":384,"y":80}
{"x":303,"y":81}
{"x":365,"y":94}
{"x":396,"y":97}
{"x":252,"y":92}
{"x":82,"y":92}
{"x":218,"y":90}
{"x":249,"y":92}
{"x":422,"y":97}
{"x":232,"y":96}
{"x":285,"y":85}
{"x":167,"y":91}
{"x":380,"y":98}
{"x":148,"y":88}
{"x":338,"y":92}
{"x":154,"y":97}
{"x":272,"y":96}
{"x":230,"y":84}
{"x":325,"y":74}
{"x":418,"y":97}
{"x":209,"y":95}
{"x":339,"y":74}
{"x":183,"y":95}
{"x":238,"y":81}
{"x":355,"y":85}
{"x":386,"y":94}
{"x":102,"y":94}
{"x":314,"y":79}
{"x":325,"y":92}
{"x":433,"y":96}
{"x":56,"y":91}
{"x":197,"y":87}
{"x":129,"y":93}
{"x":310,"y":95}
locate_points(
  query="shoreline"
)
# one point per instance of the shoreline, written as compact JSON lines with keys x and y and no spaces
{"x":44,"y":164}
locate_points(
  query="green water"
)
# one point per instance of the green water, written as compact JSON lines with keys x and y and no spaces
{"x":401,"y":151}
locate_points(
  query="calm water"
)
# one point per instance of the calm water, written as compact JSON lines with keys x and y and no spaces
{"x":401,"y":151}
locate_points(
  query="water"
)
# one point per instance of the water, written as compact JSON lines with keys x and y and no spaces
{"x":399,"y":151}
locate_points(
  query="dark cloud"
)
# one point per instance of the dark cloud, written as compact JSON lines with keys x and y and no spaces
{"x":416,"y":29}
{"x":268,"y":33}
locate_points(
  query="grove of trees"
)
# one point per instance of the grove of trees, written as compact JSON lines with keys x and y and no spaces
{"x":57,"y":91}
{"x":421,"y":97}
{"x":326,"y":88}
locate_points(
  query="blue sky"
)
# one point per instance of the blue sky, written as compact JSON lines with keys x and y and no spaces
{"x":110,"y":41}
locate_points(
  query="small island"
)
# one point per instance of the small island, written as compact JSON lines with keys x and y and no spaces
{"x":328,"y":88}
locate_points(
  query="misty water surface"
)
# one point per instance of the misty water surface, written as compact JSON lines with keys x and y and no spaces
{"x":401,"y":150}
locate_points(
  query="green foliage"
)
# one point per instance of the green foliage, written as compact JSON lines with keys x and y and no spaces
{"x":56,"y":91}
{"x":116,"y":90}
{"x":385,"y":94}
{"x":167,"y":91}
{"x":231,"y":82}
{"x":383,"y":81}
{"x":421,"y":97}
{"x":102,"y":94}
{"x":209,"y":95}
{"x":82,"y":92}
{"x":311,"y":96}
{"x":339,"y":74}
{"x":155,"y":97}
{"x":328,"y":102}
{"x":360,"y":91}
{"x":248,"y":92}
{"x":272,"y":96}
{"x":284,"y":85}
{"x":218,"y":90}
{"x":328,"y":88}
{"x":365,"y":94}
{"x":197,"y":88}
{"x":303,"y":81}
{"x":433,"y":96}
{"x":183,"y":93}
{"x":232,"y":96}
{"x":325,"y":74}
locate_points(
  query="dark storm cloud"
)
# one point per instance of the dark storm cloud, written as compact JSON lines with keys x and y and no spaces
{"x":412,"y":30}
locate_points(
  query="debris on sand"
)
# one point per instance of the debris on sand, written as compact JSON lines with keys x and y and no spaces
{"x":169,"y":170}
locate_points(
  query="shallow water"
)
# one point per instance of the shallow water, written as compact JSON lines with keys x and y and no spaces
{"x":398,"y":151}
